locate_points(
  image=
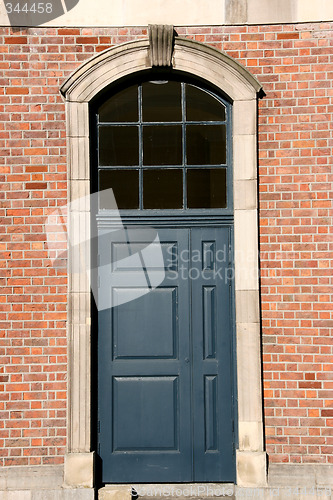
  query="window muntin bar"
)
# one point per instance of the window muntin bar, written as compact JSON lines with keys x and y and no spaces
{"x":170,"y":124}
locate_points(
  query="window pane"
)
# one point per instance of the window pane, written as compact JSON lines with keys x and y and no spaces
{"x":162,"y":145}
{"x":125,"y":185}
{"x":163,"y":188}
{"x":122,"y":107}
{"x":118,"y":146}
{"x":206,"y":144}
{"x":201,"y":106}
{"x":161,"y":102}
{"x":206,"y":188}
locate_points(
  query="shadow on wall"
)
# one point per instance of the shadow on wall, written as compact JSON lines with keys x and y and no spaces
{"x":35,"y":13}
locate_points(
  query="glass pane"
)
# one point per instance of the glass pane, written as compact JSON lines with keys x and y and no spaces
{"x":122,"y":107}
{"x":125,"y":185}
{"x":162,"y":145}
{"x":201,"y":106}
{"x":163,"y":188}
{"x":118,"y":146}
{"x":161,"y":102}
{"x":206,"y":188}
{"x":206,"y":144}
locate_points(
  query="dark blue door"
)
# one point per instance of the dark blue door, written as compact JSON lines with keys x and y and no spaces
{"x":165,"y":357}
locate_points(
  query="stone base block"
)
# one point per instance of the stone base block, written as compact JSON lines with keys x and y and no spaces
{"x":79,"y":470}
{"x":251,"y":468}
{"x":27,"y":478}
{"x":282,"y":493}
{"x":309,"y":475}
{"x":115,"y":493}
{"x":64,"y":494}
{"x":59,"y":494}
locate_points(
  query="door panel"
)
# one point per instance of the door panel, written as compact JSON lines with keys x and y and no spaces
{"x":211,"y":338}
{"x":144,"y":373}
{"x":159,"y":325}
{"x":164,"y":359}
{"x":154,"y":402}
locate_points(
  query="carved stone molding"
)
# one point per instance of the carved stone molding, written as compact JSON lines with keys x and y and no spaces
{"x":161,"y":42}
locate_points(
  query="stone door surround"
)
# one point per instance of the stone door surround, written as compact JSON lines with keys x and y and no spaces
{"x":242,"y":88}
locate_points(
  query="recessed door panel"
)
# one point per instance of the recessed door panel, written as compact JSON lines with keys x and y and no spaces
{"x":211,"y":417}
{"x":209,"y":320}
{"x":148,"y":326}
{"x":142,"y":407}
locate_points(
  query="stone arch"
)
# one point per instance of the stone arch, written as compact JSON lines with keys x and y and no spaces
{"x":242,"y":88}
{"x":193,"y":57}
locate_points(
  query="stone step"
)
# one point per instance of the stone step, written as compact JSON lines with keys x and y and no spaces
{"x":209,"y":492}
{"x":194,"y":491}
{"x":167,"y":492}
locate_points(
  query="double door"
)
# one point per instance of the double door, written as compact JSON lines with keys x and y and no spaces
{"x":165,"y":370}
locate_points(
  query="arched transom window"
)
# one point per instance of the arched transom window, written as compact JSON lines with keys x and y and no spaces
{"x":163,"y":145}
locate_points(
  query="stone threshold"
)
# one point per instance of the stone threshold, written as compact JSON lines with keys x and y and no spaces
{"x":184,"y":490}
{"x":208,"y":491}
{"x":191,"y":491}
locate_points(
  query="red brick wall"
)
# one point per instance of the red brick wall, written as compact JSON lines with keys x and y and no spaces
{"x":295,"y":66}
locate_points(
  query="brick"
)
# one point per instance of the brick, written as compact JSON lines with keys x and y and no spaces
{"x":288,"y":36}
{"x":36,"y":185}
{"x":85,"y":40}
{"x":13,"y":40}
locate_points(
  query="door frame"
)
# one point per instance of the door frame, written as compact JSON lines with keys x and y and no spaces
{"x":233,"y":80}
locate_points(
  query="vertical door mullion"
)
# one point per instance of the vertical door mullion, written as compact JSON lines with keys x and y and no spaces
{"x":183,"y":99}
{"x":192,"y":388}
{"x":140,"y":148}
